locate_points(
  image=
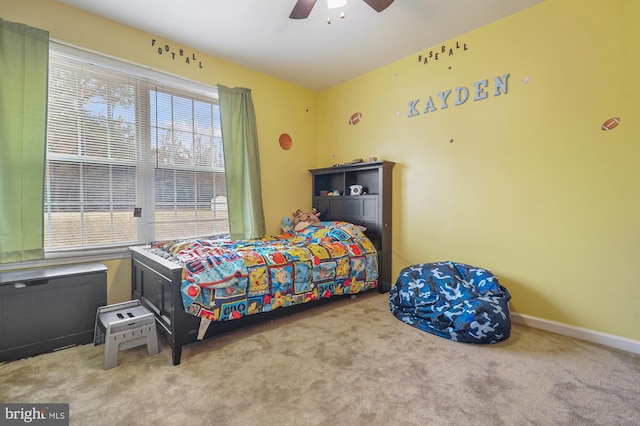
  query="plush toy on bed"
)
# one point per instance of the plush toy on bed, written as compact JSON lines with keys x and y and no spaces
{"x":302,"y":220}
{"x":287,"y":224}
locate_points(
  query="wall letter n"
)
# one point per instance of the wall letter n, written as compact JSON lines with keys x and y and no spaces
{"x":501,"y":85}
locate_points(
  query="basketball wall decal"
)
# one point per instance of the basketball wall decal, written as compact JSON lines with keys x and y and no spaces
{"x":285,"y":141}
{"x":355,"y":118}
{"x":611,"y":123}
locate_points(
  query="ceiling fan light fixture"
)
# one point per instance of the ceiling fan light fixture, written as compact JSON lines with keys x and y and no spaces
{"x":302,"y":8}
{"x":334,"y":4}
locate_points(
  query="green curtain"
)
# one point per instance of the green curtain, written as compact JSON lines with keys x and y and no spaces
{"x":24,"y":64}
{"x":242,"y":163}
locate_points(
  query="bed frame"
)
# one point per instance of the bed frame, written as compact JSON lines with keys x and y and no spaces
{"x":156,"y":281}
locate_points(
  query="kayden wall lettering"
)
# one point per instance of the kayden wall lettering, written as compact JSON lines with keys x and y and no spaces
{"x":481,"y":90}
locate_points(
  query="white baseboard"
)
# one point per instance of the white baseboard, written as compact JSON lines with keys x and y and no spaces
{"x":605,"y":339}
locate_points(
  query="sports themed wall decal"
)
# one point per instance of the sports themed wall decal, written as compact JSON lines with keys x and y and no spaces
{"x":285,"y":141}
{"x":176,"y":54}
{"x":611,"y":124}
{"x":442,"y":51}
{"x":355,"y":118}
{"x":462,"y":95}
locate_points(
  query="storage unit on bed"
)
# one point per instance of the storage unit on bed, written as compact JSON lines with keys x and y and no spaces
{"x":364,"y":199}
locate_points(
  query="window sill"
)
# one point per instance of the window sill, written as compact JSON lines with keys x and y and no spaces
{"x":70,"y":257}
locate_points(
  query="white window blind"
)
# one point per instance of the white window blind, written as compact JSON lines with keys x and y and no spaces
{"x":190,"y":185}
{"x":122,"y":139}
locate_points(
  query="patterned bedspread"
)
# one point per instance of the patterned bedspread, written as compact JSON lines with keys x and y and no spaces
{"x":224,"y":279}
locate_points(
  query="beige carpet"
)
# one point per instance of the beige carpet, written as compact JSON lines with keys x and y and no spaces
{"x":349,"y":362}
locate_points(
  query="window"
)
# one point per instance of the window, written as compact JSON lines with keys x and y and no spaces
{"x":133,"y":155}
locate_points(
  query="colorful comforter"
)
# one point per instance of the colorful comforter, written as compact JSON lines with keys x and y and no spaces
{"x":225,"y":279}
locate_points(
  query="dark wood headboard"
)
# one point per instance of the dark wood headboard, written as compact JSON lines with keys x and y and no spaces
{"x":371,"y":207}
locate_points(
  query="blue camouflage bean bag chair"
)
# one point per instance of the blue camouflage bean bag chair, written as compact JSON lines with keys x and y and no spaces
{"x":452,"y":300}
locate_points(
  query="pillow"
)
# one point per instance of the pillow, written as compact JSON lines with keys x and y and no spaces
{"x":352,"y":230}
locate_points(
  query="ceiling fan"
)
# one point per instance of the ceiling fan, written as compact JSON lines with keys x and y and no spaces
{"x":303,"y":8}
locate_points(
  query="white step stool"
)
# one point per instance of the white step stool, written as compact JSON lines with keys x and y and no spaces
{"x":122,"y":326}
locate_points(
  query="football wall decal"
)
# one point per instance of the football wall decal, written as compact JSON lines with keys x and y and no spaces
{"x":285,"y":141}
{"x":355,"y":118}
{"x":611,"y":123}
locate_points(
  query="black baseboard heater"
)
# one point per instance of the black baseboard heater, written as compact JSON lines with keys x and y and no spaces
{"x":45,"y":309}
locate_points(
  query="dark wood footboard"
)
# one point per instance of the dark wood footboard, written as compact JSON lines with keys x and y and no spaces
{"x":156,"y":283}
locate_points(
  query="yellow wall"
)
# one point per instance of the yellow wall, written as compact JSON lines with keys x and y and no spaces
{"x":525,"y":183}
{"x":280,"y":106}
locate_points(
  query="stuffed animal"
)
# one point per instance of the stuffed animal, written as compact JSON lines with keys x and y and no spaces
{"x":302,"y":220}
{"x":287,"y":224}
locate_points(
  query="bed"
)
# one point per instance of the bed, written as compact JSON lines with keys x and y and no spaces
{"x":201,"y":287}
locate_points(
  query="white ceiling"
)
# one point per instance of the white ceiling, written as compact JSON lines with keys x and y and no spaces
{"x":258,"y":34}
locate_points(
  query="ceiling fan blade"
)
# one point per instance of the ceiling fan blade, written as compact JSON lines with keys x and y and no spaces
{"x":379,"y":5}
{"x":302,"y":9}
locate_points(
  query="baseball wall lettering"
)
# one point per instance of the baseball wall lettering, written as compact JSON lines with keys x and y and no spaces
{"x":443,"y":51}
